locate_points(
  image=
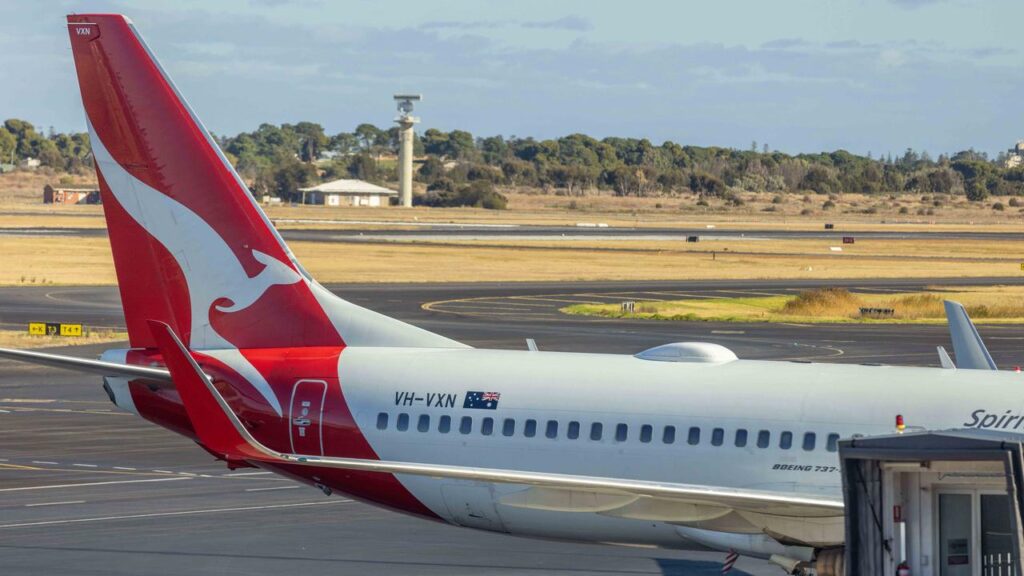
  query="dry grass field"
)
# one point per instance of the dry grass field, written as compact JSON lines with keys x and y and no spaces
{"x":46,"y":260}
{"x":63,"y":261}
{"x":20,"y":339}
{"x":21,"y":206}
{"x":987,"y":304}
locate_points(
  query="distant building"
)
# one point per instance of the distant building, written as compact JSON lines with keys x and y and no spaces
{"x":65,"y":195}
{"x":347,"y":193}
{"x":1015,"y":157}
{"x":31,"y":163}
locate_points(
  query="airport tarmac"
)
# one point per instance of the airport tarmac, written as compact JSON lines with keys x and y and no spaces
{"x":86,"y":489}
{"x":342,"y":231}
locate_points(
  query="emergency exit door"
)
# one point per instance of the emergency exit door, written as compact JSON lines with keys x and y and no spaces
{"x":975,"y":534}
{"x":305,"y":417}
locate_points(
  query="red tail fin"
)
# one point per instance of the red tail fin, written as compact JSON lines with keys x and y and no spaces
{"x":191,"y":247}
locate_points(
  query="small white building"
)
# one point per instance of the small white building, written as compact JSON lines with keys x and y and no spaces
{"x":347,"y":193}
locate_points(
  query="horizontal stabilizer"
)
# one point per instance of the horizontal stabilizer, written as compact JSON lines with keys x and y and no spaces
{"x":85,"y":365}
{"x":968,"y":346}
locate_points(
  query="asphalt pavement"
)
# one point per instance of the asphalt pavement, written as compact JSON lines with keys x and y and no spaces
{"x":86,"y":489}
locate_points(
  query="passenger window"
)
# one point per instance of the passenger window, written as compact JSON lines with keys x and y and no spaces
{"x":595,"y":431}
{"x":574,"y":430}
{"x":786,"y":440}
{"x":487,"y":426}
{"x":466,"y":425}
{"x":646,"y":431}
{"x":530,"y":428}
{"x":694,"y":438}
{"x":552,"y":429}
{"x":668,"y":436}
{"x":764,"y":438}
{"x":382,"y":421}
{"x":832,"y":444}
{"x":403,"y":422}
{"x":423,"y":425}
{"x":717,"y":437}
{"x":809,"y":440}
{"x":741,"y":438}
{"x":508,"y":428}
{"x":621,"y":432}
{"x":444,"y":425}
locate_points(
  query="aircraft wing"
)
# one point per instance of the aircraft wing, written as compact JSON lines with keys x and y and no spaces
{"x":85,"y":365}
{"x":220,"y":430}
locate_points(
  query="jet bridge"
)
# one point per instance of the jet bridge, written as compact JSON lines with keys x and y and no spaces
{"x":940,"y":503}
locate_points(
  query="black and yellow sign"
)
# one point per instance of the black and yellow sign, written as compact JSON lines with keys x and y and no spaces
{"x":54,"y":329}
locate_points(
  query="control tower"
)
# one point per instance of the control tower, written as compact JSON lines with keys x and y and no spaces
{"x":405,"y":121}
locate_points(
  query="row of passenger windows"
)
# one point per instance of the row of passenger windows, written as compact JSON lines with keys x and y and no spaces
{"x":621,"y":433}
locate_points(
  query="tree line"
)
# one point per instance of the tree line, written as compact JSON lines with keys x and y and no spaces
{"x":457,"y":167}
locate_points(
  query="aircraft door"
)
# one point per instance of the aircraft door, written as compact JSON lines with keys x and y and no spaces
{"x":305,"y":417}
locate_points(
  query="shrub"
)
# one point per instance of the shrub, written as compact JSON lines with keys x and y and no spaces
{"x":1014,"y":203}
{"x":823,"y":302}
{"x":777,"y":200}
{"x":828,"y":204}
{"x":806,"y":212}
{"x":998,"y":207}
{"x":480,"y":194}
{"x":732,"y":199}
{"x":904,"y":210}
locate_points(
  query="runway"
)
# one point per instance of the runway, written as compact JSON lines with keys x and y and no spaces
{"x":86,"y":489}
{"x":358,"y":231}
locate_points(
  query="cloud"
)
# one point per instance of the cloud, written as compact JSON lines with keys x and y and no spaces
{"x":575,"y":23}
{"x":242,"y":69}
{"x":460,"y":25}
{"x":784,"y":43}
{"x":572,"y":23}
{"x":912,"y":4}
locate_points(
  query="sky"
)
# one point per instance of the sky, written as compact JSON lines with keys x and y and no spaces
{"x":873,"y":76}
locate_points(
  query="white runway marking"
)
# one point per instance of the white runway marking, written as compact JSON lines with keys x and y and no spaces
{"x":163,"y":471}
{"x":271,"y":488}
{"x":246,"y":474}
{"x":54,"y":503}
{"x":43,"y":462}
{"x":123,"y":468}
{"x":179,"y":513}
{"x":25,"y":488}
{"x":86,"y":465}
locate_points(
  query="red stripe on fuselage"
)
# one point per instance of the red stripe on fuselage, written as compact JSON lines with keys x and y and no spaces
{"x":283,"y":367}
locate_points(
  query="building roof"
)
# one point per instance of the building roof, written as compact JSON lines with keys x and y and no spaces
{"x":73,"y":189}
{"x":344,"y":186}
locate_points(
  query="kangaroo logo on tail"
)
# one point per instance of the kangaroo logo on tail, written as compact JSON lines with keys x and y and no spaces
{"x":213,"y":274}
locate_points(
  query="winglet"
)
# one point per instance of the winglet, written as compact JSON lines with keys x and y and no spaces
{"x":968,"y":346}
{"x":206,"y":408}
{"x":944,"y":358}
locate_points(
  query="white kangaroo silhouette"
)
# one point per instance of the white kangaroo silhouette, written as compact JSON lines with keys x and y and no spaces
{"x":212,"y":271}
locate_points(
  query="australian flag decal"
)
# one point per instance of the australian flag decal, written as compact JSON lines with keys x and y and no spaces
{"x":482,"y":400}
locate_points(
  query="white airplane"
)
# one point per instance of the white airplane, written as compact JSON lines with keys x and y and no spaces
{"x":233,"y":344}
